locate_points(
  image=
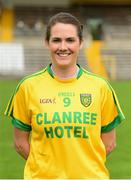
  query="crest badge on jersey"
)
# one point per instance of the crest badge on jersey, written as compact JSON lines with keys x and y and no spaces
{"x":85,"y":99}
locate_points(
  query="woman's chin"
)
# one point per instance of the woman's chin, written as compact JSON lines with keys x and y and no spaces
{"x":63,"y":63}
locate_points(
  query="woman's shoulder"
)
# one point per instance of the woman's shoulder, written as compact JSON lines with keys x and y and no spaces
{"x":31,"y":79}
{"x":95,"y":77}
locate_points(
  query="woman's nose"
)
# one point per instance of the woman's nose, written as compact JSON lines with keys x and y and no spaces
{"x":63,"y":45}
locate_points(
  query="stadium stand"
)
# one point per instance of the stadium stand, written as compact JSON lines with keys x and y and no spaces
{"x":29,"y":28}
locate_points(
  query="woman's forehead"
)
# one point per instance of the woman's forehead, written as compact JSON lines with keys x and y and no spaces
{"x":66,"y":29}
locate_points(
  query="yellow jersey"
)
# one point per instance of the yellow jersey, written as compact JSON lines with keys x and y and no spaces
{"x":66,"y":119}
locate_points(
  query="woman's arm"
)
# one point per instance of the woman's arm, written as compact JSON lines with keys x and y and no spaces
{"x":21,"y":142}
{"x":109,"y":140}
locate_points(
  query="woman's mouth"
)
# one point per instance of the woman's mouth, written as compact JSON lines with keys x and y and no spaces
{"x":64,"y":54}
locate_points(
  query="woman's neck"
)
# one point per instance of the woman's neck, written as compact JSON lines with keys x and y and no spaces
{"x":65,"y":73}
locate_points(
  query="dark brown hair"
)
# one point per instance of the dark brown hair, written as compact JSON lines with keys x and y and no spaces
{"x":65,"y":18}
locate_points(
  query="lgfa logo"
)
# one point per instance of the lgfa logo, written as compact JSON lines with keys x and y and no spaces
{"x":47,"y":100}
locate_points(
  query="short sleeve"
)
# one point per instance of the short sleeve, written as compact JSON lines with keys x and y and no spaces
{"x":18,"y":108}
{"x":111,"y":113}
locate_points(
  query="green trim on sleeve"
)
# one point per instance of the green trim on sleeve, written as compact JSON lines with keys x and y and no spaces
{"x":112,"y":125}
{"x":21,"y":125}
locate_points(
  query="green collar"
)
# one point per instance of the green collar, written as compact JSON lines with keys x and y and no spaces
{"x":52,"y":74}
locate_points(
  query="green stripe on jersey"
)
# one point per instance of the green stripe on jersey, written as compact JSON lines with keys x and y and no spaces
{"x":17,"y":88}
{"x":122,"y":117}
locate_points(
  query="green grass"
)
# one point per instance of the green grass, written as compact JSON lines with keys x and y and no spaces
{"x":118,"y":163}
{"x":11,"y":164}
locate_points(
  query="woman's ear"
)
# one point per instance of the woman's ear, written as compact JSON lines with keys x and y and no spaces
{"x":81,"y":44}
{"x":46,"y":43}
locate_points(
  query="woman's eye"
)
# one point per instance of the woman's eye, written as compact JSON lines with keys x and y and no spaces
{"x":55,"y":40}
{"x":70,"y":40}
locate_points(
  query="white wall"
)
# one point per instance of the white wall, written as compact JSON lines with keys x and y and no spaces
{"x":11,"y":58}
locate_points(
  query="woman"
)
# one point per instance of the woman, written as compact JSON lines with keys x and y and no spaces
{"x":68,"y":114}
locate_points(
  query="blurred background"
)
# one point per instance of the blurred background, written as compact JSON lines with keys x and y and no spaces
{"x":106,"y":52}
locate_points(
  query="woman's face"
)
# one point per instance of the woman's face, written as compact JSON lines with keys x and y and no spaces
{"x":64,"y":45}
